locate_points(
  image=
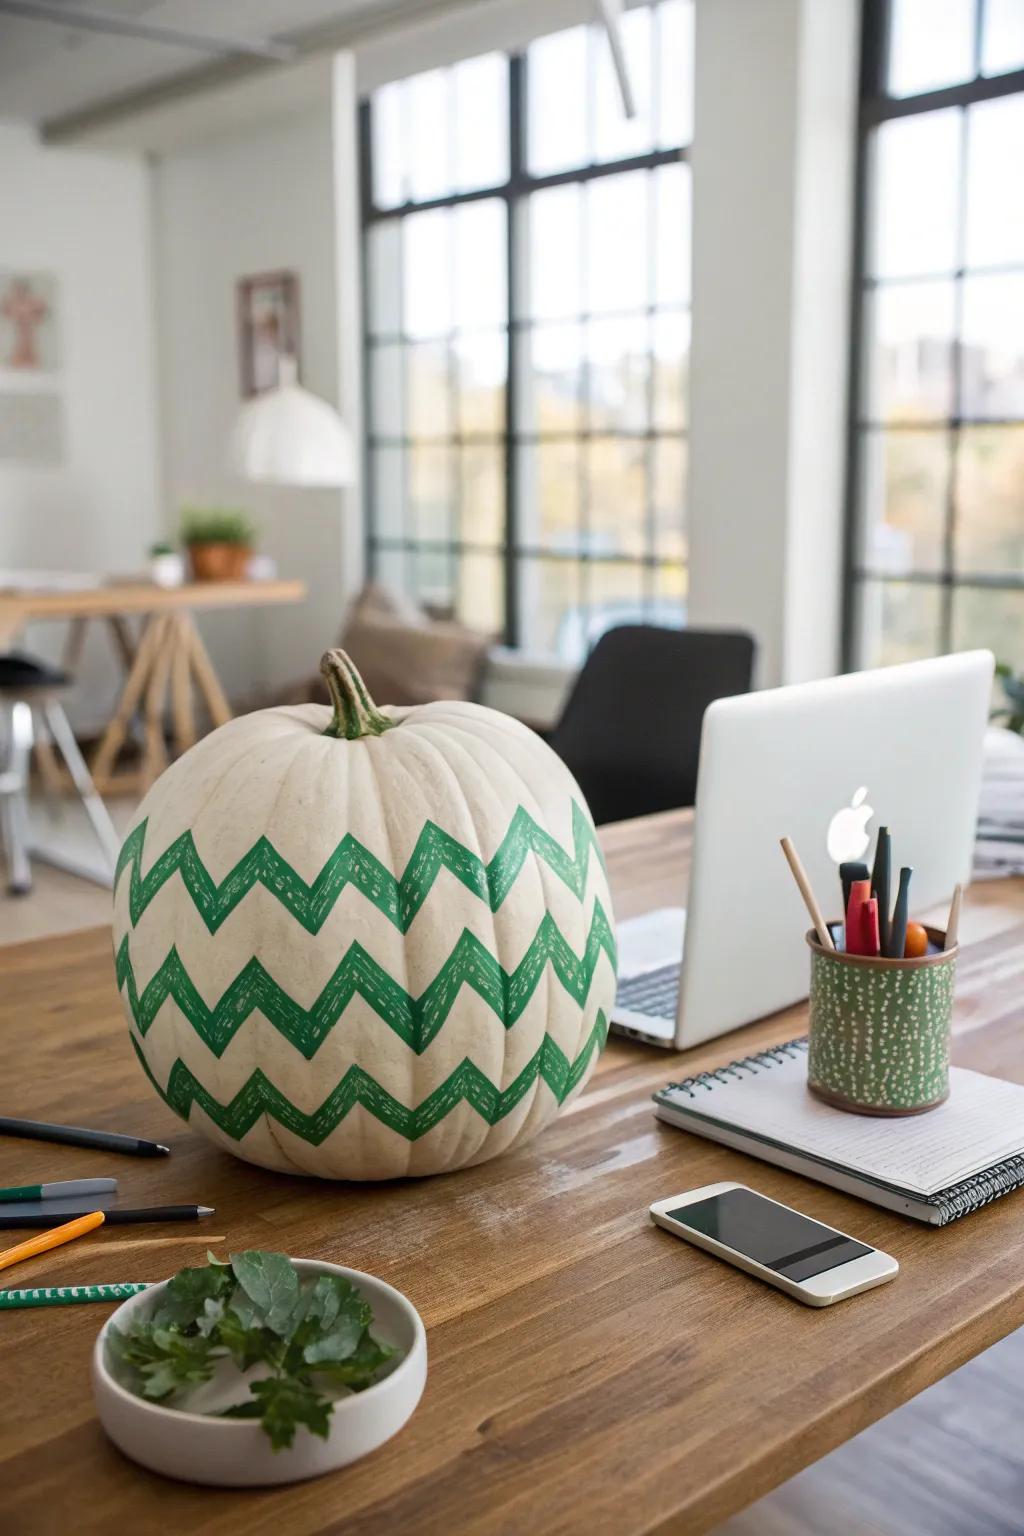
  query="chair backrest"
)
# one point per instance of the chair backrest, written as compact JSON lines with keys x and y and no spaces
{"x":630,"y":730}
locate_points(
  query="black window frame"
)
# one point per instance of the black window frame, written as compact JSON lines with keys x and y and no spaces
{"x":518,"y":187}
{"x":876,"y":106}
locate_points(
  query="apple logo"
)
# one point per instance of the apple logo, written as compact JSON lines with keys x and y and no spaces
{"x":847,"y":831}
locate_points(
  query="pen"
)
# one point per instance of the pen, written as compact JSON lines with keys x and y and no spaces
{"x":80,"y":1136}
{"x":901,"y":911}
{"x":71,"y":1295}
{"x":869,"y":928}
{"x":860,"y":892}
{"x":117,"y":1218}
{"x":849,"y":871}
{"x":880,"y":886}
{"x":88,"y":1221}
{"x":59,"y":1190}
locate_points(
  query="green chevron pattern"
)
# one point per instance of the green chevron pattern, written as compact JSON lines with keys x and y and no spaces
{"x":351,"y":864}
{"x":258,"y":1096}
{"x":416,"y":1020}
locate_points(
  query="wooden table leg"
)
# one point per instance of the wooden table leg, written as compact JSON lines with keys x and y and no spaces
{"x":117,"y":730}
{"x":124,"y":641}
{"x":182,"y":716}
{"x":154,"y":752}
{"x":206,"y":678}
{"x":74,"y":644}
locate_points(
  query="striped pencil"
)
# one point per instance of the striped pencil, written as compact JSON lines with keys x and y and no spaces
{"x":58,"y":1190}
{"x":71,"y":1295}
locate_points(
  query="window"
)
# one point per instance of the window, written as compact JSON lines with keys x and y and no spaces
{"x":936,"y":554}
{"x":527,"y":334}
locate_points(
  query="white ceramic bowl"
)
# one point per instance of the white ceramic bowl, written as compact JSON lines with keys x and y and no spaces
{"x":235,"y":1453}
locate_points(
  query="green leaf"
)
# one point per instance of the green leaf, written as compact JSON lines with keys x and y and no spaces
{"x":183,"y":1300}
{"x":285,"y":1403}
{"x":252,"y":1409}
{"x":360,"y":1370}
{"x":343,"y":1339}
{"x":247,"y":1345}
{"x":270,"y":1282}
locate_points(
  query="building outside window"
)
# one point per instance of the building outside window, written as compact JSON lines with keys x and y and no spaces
{"x":937,"y":441}
{"x":527,"y":334}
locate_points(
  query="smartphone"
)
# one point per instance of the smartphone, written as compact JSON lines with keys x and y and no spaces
{"x":813,"y":1263}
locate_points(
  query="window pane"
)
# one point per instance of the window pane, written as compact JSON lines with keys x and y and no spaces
{"x":668,"y":483}
{"x":917,"y":162}
{"x":388,"y":471}
{"x":481,"y":361}
{"x":427,"y":272}
{"x":388,"y":145}
{"x":384,"y":277}
{"x":931,"y":44}
{"x":990,"y":500}
{"x":1002,"y":44}
{"x":387,"y":391}
{"x":616,"y":596}
{"x":675,"y":73}
{"x":480,"y":602}
{"x":481,"y":296}
{"x":619,"y":364}
{"x":481,"y":116}
{"x":908,"y":352}
{"x":992,"y":355}
{"x":990,"y":618}
{"x":617,"y":136}
{"x":552,"y":387}
{"x":616,"y":248}
{"x":995,"y":182}
{"x":549,"y":495}
{"x":671,"y":585}
{"x":557,"y":101}
{"x":898,"y":621}
{"x":555,"y":243}
{"x":391,"y":568}
{"x":672,"y":234}
{"x":617,"y":496}
{"x":430,"y":493}
{"x":904,"y":493}
{"x":482,"y":495}
{"x":429,"y":148}
{"x":429,"y":389}
{"x":671,"y":367}
{"x":434,"y":577}
{"x":550,"y":601}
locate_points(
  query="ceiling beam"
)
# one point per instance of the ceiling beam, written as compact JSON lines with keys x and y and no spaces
{"x":105,"y":22}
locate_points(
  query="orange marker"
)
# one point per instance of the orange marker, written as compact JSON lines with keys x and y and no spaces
{"x":54,"y":1238}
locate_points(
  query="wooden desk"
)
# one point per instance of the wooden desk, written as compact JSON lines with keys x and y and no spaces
{"x":169,"y":657}
{"x":588,"y":1372}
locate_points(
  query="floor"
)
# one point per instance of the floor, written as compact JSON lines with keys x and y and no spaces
{"x":950,"y":1463}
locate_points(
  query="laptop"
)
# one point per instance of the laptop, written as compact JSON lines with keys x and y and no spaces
{"x":825,"y":763}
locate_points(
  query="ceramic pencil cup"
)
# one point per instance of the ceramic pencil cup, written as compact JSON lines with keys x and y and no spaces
{"x":879,"y":1029}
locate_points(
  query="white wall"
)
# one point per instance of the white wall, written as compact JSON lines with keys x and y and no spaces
{"x":225,"y":209}
{"x":773,"y":161}
{"x":86,"y":218}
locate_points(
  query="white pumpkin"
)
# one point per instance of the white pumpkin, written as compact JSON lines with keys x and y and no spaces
{"x":365,"y":943}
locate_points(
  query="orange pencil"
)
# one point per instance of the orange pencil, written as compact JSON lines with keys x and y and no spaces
{"x":51,"y":1239}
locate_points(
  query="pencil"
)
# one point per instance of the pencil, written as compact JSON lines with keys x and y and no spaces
{"x":800,"y":876}
{"x":59,"y":1190}
{"x":71,"y":1295}
{"x":80,"y":1136}
{"x":52,"y":1239}
{"x":116,"y":1217}
{"x":953,"y":921}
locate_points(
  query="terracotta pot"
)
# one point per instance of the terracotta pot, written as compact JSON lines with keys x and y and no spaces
{"x":219,"y":562}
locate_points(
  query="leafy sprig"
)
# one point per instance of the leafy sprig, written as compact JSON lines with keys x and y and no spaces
{"x":311,"y":1336}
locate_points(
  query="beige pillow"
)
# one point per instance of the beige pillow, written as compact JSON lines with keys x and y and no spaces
{"x":406,"y":658}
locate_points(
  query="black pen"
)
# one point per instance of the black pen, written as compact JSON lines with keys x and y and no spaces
{"x":80,"y":1136}
{"x":880,"y":885}
{"x":114,"y":1217}
{"x":898,"y":931}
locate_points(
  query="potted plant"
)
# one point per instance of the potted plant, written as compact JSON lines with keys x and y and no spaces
{"x":219,"y":541}
{"x":166,"y":565}
{"x":1013,"y":689}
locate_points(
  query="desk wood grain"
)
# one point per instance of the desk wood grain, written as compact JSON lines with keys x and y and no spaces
{"x":588,"y":1372}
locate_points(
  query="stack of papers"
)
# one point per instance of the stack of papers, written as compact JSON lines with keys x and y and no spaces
{"x":1000,"y":846}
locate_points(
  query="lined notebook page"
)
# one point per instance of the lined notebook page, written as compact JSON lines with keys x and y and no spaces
{"x":981,"y":1123}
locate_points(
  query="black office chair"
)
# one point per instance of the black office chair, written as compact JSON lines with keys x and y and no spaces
{"x":630,"y":731}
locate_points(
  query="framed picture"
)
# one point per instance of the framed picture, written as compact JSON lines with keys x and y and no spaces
{"x":28,"y":322}
{"x":268,"y":328}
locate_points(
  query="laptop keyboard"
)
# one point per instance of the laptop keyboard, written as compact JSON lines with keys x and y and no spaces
{"x":654,"y":993}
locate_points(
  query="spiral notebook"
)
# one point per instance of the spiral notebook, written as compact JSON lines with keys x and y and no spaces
{"x":935,"y":1167}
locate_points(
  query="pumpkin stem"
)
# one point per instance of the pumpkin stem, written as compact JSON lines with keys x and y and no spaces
{"x":355,"y":713}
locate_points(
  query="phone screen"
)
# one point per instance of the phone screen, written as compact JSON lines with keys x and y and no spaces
{"x":773,"y":1235}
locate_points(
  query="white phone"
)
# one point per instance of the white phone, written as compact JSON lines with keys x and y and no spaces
{"x":811,"y":1262}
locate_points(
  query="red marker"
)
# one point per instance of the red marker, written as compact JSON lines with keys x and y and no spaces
{"x":860,"y":892}
{"x":869,"y":942}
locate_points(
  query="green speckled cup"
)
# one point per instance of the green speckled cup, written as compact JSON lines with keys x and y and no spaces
{"x":879,"y":1030}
